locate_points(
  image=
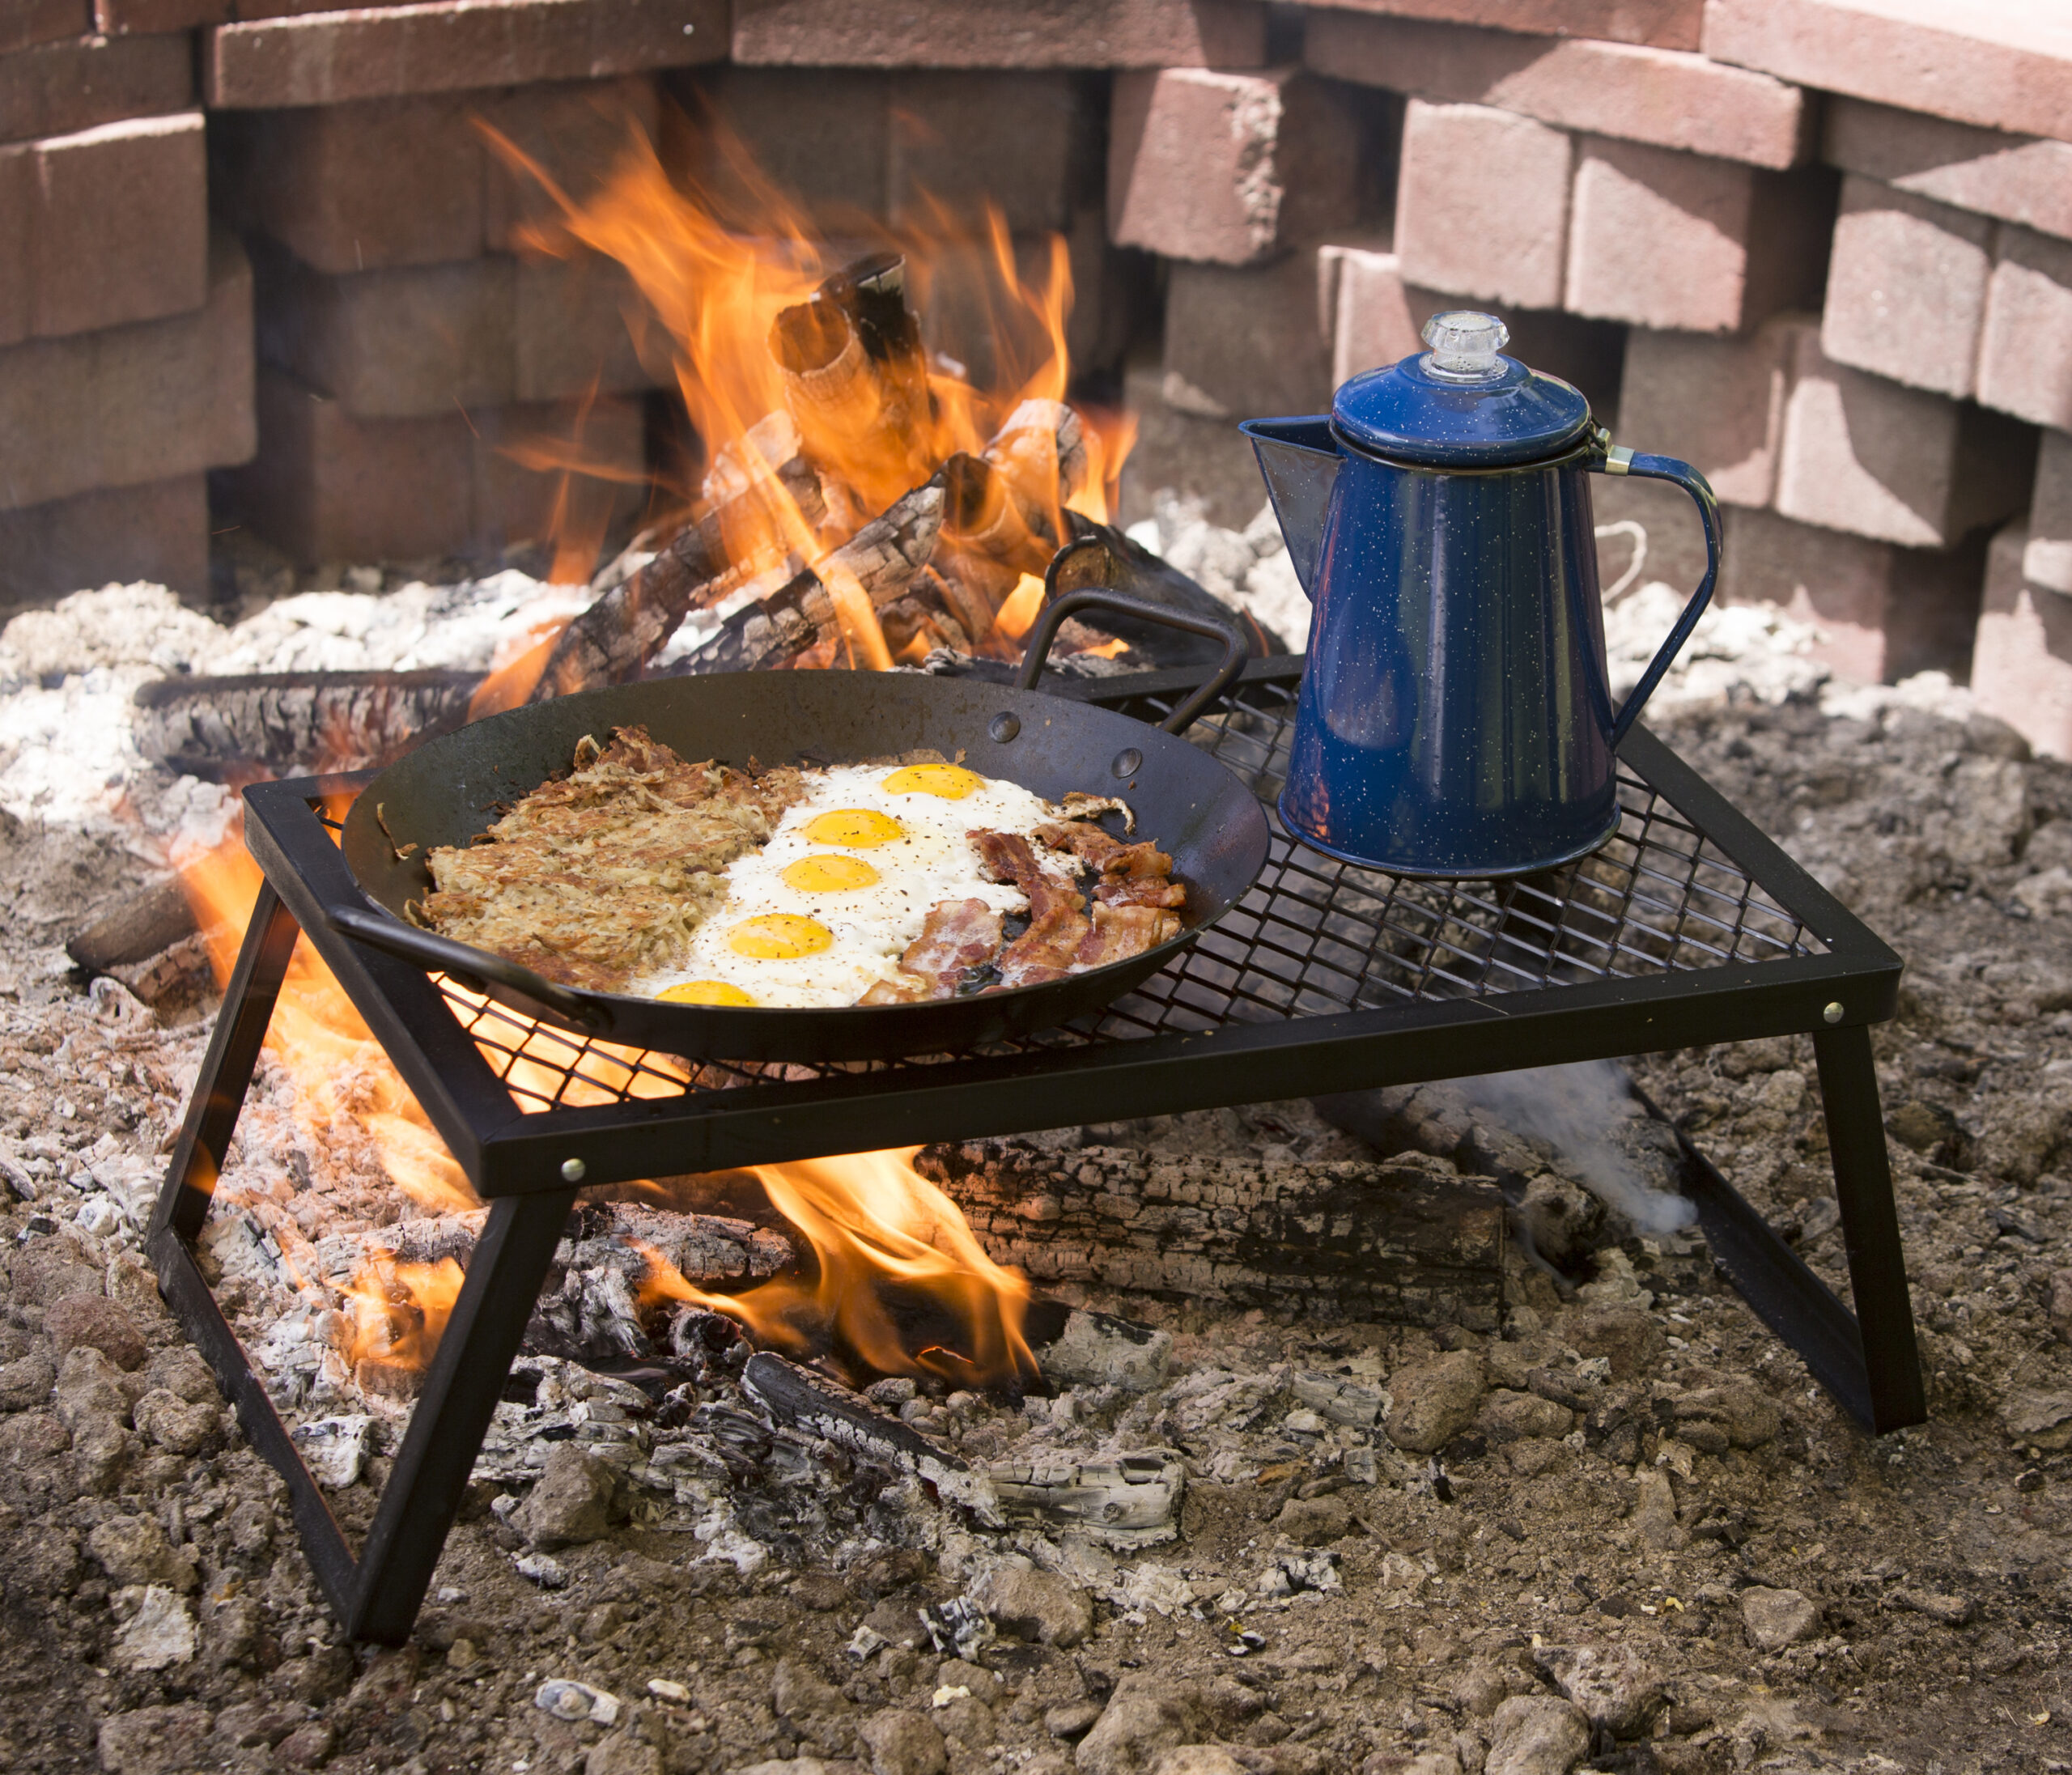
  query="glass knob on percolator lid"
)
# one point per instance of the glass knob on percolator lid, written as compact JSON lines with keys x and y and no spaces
{"x":1464,"y":345}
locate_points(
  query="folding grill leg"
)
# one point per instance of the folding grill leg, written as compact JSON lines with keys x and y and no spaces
{"x":227,"y":1069}
{"x":462,"y":1389}
{"x":1871,"y":1227}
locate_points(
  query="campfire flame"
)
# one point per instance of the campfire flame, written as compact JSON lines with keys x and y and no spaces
{"x":764,"y":323}
{"x":876,"y":1225}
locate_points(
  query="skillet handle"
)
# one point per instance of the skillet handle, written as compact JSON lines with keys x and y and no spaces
{"x":1237,"y":648}
{"x":474,"y":969}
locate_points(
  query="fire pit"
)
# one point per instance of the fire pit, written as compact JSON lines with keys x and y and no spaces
{"x":1689,"y":927}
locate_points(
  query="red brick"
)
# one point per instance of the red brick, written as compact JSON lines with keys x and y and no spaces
{"x":1668,"y":24}
{"x":122,"y":225}
{"x":158,"y":531}
{"x":823,"y":136}
{"x":1482,"y":204}
{"x":2006,"y":67}
{"x":1685,"y":243}
{"x":956,"y":291}
{"x":1369,"y":313}
{"x":1227,"y":169}
{"x":1245,"y":342}
{"x":415,"y":341}
{"x":1906,"y":287}
{"x":123,"y":18}
{"x":248,"y":10}
{"x":326,"y":486}
{"x":570,"y":329}
{"x":2048,"y":561}
{"x":2022,"y":661}
{"x":575,"y":130}
{"x":1372,"y":316}
{"x":1002,"y":33}
{"x":18,"y":219}
{"x":355,"y":187}
{"x":1718,"y":403}
{"x":132,"y":404}
{"x":83,"y":82}
{"x":1664,"y":96}
{"x":27,"y":23}
{"x":517,"y":499}
{"x":1011,"y":140}
{"x":328,"y":57}
{"x":1887,"y":612}
{"x":2025,"y":353}
{"x":1869,"y":457}
{"x":2024,"y":179}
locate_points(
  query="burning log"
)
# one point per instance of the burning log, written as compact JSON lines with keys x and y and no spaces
{"x":210,"y":728}
{"x":135,"y":929}
{"x":633,"y":619}
{"x":1389,"y":1240}
{"x":840,"y":597}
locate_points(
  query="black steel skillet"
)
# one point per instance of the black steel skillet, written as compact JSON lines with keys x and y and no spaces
{"x":452,"y":787}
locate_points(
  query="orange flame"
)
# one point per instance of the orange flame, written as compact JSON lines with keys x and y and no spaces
{"x":875,"y":1224}
{"x":395,"y":1313}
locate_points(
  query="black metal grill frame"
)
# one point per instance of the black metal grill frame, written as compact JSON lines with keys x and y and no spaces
{"x":1690,"y":926}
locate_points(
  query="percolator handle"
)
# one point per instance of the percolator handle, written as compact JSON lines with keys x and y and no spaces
{"x":1667,"y":468}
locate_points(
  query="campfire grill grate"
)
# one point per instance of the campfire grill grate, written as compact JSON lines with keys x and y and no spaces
{"x":1313,"y":938}
{"x":1689,"y":928}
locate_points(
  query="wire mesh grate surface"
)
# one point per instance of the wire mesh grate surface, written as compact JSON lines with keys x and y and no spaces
{"x":1313,"y":938}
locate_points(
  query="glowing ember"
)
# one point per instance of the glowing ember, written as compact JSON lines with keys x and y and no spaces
{"x":877,"y":1228}
{"x":396,"y":1312}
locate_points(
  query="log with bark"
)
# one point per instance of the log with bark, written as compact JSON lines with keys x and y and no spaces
{"x":211,"y":728}
{"x":1396,"y":1240}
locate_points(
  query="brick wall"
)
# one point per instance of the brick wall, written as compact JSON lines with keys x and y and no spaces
{"x":1822,"y":248}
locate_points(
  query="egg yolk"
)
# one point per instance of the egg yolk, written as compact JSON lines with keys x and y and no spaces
{"x":780,"y":936}
{"x":829,"y":874}
{"x":952,"y":782}
{"x":855,"y":829}
{"x":705,"y":992}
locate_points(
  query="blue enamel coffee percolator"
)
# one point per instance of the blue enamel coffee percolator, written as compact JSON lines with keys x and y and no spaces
{"x":1456,"y":714}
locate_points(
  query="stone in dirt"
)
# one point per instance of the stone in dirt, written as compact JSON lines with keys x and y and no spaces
{"x":172,"y":1423}
{"x":2042,"y":1419}
{"x":1743,"y":1414}
{"x":1631,"y":1339}
{"x":150,"y":1740}
{"x":1618,"y":1690}
{"x":1507,"y":1416}
{"x":1311,"y":1521}
{"x":134,"y":1550}
{"x":1036,"y":1606}
{"x":796,"y":1694}
{"x":568,"y":1699}
{"x":90,"y":1385}
{"x":1536,"y":1734}
{"x":572,"y":1503}
{"x":160,"y":1632}
{"x":1937,"y":1605}
{"x":1655,"y":1512}
{"x":94,"y":1322}
{"x":1435,"y":1401}
{"x":903,"y":1743}
{"x":1776,"y":1619}
{"x":1146,"y":1716}
{"x":1197,"y":1759}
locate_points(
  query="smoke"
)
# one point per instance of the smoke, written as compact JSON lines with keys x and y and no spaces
{"x":1573,"y":1109}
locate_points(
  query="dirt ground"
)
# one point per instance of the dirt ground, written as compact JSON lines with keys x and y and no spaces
{"x":1629,"y":1534}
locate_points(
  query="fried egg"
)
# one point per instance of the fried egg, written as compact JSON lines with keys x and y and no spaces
{"x":823,"y":912}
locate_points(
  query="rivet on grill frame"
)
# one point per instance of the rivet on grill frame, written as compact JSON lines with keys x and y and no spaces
{"x":1004,"y":728}
{"x":1832,"y":1013}
{"x":1128,"y":761}
{"x":573,"y":1171}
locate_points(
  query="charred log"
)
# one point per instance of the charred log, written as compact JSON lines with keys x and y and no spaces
{"x":881,"y":558}
{"x":135,"y":929}
{"x":1391,"y":1241}
{"x":296,"y":720}
{"x":632,"y":621}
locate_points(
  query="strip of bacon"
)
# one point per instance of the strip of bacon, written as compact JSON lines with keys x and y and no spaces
{"x":1120,"y":932}
{"x":1057,"y":914}
{"x":1140,"y":890}
{"x":955,"y":936}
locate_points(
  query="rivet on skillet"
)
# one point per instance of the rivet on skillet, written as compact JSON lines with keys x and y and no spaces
{"x":1004,"y":728}
{"x":1127,"y":762}
{"x":573,"y":1171}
